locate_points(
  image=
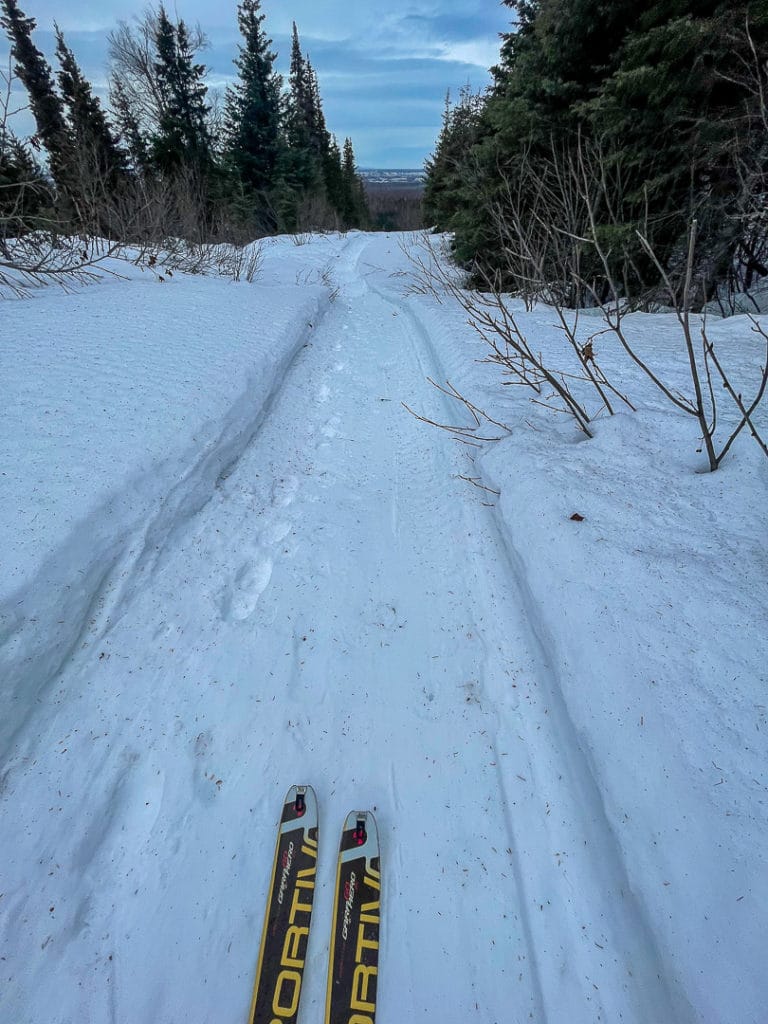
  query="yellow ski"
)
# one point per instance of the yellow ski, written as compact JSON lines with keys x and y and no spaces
{"x":284,"y":938}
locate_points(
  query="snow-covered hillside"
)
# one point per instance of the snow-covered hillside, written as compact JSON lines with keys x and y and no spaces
{"x":232,"y":561}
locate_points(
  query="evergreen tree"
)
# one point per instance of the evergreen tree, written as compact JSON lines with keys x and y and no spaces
{"x":252,"y":117}
{"x":168,"y":144}
{"x":446,"y":171}
{"x":35,"y":74}
{"x":675,"y":95}
{"x":278,"y":164}
{"x":299,"y":90}
{"x":24,"y":191}
{"x":130,"y":130}
{"x":303,"y":171}
{"x":101,"y":163}
{"x":653,"y":85}
{"x":333,"y":175}
{"x":183,"y":140}
{"x":354,"y":204}
{"x":319,"y":138}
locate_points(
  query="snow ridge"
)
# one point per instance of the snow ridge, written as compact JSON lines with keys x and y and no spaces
{"x":85,"y":586}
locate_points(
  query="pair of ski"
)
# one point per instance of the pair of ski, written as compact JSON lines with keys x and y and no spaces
{"x":354,"y":954}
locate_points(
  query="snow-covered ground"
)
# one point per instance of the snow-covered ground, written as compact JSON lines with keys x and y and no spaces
{"x":232,"y":561}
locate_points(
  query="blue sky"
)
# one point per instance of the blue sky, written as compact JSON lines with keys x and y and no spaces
{"x":384,"y":69}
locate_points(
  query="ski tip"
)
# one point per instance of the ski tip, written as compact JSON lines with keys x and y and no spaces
{"x":361,"y":833}
{"x":300,"y":803}
{"x":299,"y":792}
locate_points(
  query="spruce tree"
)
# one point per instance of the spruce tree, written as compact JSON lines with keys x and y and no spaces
{"x":446,"y":171}
{"x":304,"y":172}
{"x":252,"y":116}
{"x":101,"y":162}
{"x":299,"y":90}
{"x":130,"y":130}
{"x":348,"y":176}
{"x":354,"y":204}
{"x":168,"y":144}
{"x":24,"y":191}
{"x":310,"y":185}
{"x":300,"y":168}
{"x":319,"y":138}
{"x":676,"y":95}
{"x":183,"y":140}
{"x":35,"y":73}
{"x":654,"y":90}
{"x":334,"y":176}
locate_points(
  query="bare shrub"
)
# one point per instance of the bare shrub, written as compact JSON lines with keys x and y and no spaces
{"x":683,"y":287}
{"x":240,"y":262}
{"x":554,"y":251}
{"x":704,"y":409}
{"x":315,"y":213}
{"x":491,"y":313}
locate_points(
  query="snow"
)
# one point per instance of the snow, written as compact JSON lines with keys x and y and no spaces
{"x":231,"y":561}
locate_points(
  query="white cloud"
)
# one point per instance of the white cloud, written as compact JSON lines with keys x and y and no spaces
{"x":481,"y":53}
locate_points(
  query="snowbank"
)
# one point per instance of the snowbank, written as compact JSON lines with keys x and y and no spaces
{"x":126,"y":401}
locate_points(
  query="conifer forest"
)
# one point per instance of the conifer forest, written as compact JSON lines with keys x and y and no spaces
{"x":167,"y":158}
{"x":619,"y":152}
{"x":616,"y":140}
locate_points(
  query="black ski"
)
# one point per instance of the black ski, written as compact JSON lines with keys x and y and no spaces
{"x":277,"y":989}
{"x":354,"y":958}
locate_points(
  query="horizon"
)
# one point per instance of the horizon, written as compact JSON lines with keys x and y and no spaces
{"x":410,"y":170}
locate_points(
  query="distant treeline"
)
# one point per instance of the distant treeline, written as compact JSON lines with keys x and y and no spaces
{"x":167,"y":159}
{"x":619,"y":138}
{"x":395,"y":205}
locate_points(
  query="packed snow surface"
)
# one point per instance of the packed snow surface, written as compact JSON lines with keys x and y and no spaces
{"x":232,"y":561}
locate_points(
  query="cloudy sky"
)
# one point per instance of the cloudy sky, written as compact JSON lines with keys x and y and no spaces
{"x":384,"y":68}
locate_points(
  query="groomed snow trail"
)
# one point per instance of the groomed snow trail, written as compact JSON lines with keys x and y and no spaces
{"x":342,"y":611}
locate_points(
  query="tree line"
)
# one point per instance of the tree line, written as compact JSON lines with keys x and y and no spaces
{"x":168,"y":158}
{"x":618,"y":139}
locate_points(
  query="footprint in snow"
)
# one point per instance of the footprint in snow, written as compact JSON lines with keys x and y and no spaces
{"x":202,"y":742}
{"x":250,"y":583}
{"x":275,"y":532}
{"x":329,"y":430}
{"x":204,"y":777}
{"x":163,"y":630}
{"x":284,"y":491}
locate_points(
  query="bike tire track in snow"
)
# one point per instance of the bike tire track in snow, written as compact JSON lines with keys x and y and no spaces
{"x":337,"y":610}
{"x":563,"y":810}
